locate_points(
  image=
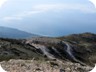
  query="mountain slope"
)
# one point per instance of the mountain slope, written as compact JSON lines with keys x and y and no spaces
{"x":76,"y":52}
{"x":38,"y":54}
{"x":76,"y":47}
{"x":81,"y":50}
{"x":84,"y":46}
{"x":6,"y":32}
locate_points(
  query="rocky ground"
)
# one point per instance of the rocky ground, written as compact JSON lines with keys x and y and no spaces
{"x":43,"y":66}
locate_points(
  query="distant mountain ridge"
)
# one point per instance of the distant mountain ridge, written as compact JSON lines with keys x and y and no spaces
{"x":6,"y":32}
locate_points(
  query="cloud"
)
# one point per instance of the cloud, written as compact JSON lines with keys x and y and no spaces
{"x":20,"y":16}
{"x":46,"y":7}
{"x":28,"y":13}
{"x":41,"y":8}
{"x":67,"y":6}
{"x":11,"y":18}
{"x":2,"y":2}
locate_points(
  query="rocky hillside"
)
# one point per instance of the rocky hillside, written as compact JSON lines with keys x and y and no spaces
{"x":74,"y":53}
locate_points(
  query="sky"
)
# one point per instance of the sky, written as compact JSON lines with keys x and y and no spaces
{"x":49,"y":17}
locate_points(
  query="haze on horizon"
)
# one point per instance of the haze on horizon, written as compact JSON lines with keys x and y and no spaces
{"x":49,"y":17}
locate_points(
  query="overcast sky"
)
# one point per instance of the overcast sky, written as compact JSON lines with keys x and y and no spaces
{"x":49,"y":17}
